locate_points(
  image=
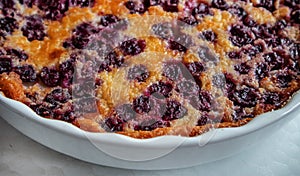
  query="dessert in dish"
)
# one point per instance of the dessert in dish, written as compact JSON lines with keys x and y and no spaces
{"x":150,"y":67}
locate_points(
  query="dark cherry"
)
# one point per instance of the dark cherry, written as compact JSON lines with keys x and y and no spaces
{"x":125,"y":112}
{"x":27,"y":73}
{"x":220,"y":4}
{"x":249,"y":21}
{"x":203,"y":119}
{"x":42,"y":110}
{"x":190,"y":20}
{"x":241,"y":35}
{"x":240,"y":114}
{"x":34,"y":28}
{"x":136,"y":6}
{"x":108,"y":20}
{"x":133,"y":47}
{"x":202,"y":101}
{"x":6,"y":4}
{"x":67,"y":116}
{"x":280,"y":24}
{"x":58,"y":96}
{"x":138,"y":72}
{"x":7,"y":7}
{"x":272,"y":98}
{"x":209,"y":36}
{"x":200,"y":11}
{"x":66,"y":70}
{"x":54,"y":10}
{"x":29,"y":3}
{"x":81,"y":35}
{"x":82,"y":3}
{"x":253,"y":50}
{"x":152,"y":124}
{"x":238,"y":11}
{"x":19,"y":54}
{"x":195,"y":68}
{"x":50,"y":76}
{"x":7,"y":26}
{"x":153,"y":2}
{"x":280,"y":42}
{"x":234,"y":55}
{"x":113,"y":124}
{"x":170,"y":5}
{"x":263,"y":31}
{"x":295,"y":51}
{"x":295,"y":16}
{"x":275,"y":61}
{"x":173,"y":70}
{"x":187,"y":88}
{"x":283,"y":80}
{"x":112,"y":59}
{"x":174,"y":110}
{"x":5,"y":64}
{"x":181,"y":43}
{"x":230,"y":83}
{"x":291,"y":3}
{"x":267,"y":4}
{"x":243,"y":68}
{"x":246,"y":97}
{"x":262,"y":71}
{"x":142,"y":104}
{"x":160,"y":89}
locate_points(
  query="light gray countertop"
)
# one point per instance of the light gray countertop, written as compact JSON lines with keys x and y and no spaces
{"x":278,"y":155}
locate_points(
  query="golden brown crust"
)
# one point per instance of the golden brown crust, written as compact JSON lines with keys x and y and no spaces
{"x":12,"y":87}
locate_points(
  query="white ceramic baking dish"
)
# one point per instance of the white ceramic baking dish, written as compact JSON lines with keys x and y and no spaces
{"x":165,"y":152}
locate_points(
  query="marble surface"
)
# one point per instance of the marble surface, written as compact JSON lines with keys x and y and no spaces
{"x":278,"y":155}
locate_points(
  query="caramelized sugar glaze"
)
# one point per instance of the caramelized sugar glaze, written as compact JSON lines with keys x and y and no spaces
{"x":148,"y":68}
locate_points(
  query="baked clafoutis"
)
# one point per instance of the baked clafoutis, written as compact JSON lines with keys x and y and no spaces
{"x":147,"y":68}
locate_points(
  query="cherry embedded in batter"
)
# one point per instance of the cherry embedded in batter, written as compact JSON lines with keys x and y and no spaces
{"x":209,"y":36}
{"x":220,"y":4}
{"x":27,"y":73}
{"x":174,"y":110}
{"x":7,"y":26}
{"x":160,"y":89}
{"x":53,"y":10}
{"x":243,"y":68}
{"x":170,"y":5}
{"x":5,"y":64}
{"x":133,"y":47}
{"x":136,"y":6}
{"x":241,"y":35}
{"x":113,"y":124}
{"x":201,"y":10}
{"x":34,"y":28}
{"x":50,"y":76}
{"x":142,"y":104}
{"x":245,"y":97}
{"x":202,"y":101}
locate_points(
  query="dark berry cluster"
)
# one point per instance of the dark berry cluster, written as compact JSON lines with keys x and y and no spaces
{"x":34,"y":28}
{"x":142,"y":6}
